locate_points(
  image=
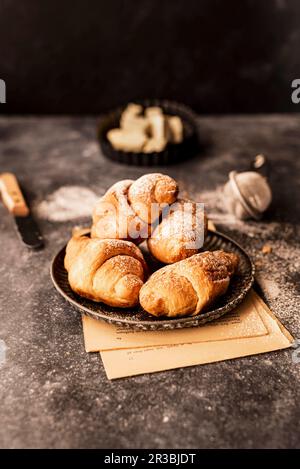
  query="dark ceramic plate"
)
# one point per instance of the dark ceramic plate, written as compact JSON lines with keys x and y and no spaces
{"x":138,"y":318}
{"x":171,"y":154}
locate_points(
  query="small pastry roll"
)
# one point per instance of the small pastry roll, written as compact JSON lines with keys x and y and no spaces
{"x":127,"y":140}
{"x":175,"y":129}
{"x":114,"y":218}
{"x":154,"y":145}
{"x":129,"y":207}
{"x":157,"y":127}
{"x":105,"y":270}
{"x":132,"y":119}
{"x":187,"y":287}
{"x":180,"y":234}
{"x":149,"y":193}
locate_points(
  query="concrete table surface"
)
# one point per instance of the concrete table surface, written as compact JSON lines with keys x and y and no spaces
{"x":53,"y":394}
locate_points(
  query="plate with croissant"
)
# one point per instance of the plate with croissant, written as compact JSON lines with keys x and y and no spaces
{"x":143,"y":268}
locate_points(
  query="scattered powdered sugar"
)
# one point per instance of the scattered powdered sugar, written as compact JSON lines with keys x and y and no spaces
{"x":67,"y":203}
{"x":90,"y":150}
{"x":269,"y":285}
{"x":213,"y":199}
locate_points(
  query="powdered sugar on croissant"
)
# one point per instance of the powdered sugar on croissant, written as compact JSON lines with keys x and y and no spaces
{"x":180,"y":234}
{"x":187,"y":287}
{"x":114,"y":218}
{"x":129,"y":207}
{"x":107,"y":270}
{"x":152,"y":189}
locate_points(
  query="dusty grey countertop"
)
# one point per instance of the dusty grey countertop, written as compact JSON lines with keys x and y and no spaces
{"x":52,"y":393}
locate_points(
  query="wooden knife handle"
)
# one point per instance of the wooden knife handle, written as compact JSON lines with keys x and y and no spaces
{"x":12,"y":195}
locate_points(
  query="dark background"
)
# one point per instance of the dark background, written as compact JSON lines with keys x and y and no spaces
{"x":218,"y":56}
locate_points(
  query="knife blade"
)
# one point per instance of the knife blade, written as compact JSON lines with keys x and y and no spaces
{"x":14,"y":201}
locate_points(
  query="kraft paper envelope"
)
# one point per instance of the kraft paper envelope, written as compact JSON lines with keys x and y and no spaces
{"x":129,"y":362}
{"x":243,"y":322}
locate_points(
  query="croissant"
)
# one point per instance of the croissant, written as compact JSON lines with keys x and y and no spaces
{"x":129,"y":207}
{"x":107,"y":270}
{"x":185,"y":288}
{"x":180,"y":234}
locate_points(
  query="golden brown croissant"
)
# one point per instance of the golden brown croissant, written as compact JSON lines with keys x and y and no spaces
{"x":107,"y":270}
{"x":151,"y":189}
{"x":129,"y":207}
{"x":114,"y":218}
{"x":180,"y":234}
{"x":185,"y":288}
